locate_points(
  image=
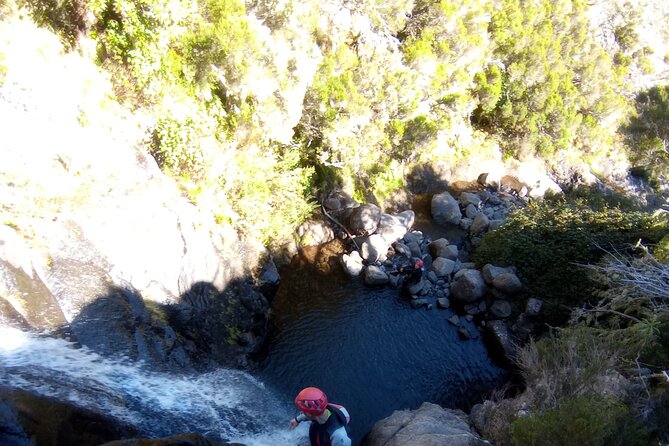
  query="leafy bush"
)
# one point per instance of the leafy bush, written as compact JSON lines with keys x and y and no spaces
{"x":648,"y":135}
{"x":549,"y":241}
{"x":555,"y":76}
{"x":67,"y":18}
{"x":584,"y":420}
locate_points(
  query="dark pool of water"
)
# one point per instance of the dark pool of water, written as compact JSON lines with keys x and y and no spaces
{"x":368,"y":350}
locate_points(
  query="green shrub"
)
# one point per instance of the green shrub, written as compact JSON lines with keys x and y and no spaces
{"x":549,"y":241}
{"x":555,"y":75}
{"x":584,"y":420}
{"x":66,"y":18}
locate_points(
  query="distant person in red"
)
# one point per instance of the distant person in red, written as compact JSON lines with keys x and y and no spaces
{"x":328,"y":420}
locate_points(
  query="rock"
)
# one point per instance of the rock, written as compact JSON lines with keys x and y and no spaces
{"x":46,"y":421}
{"x":501,"y":309}
{"x":490,"y":271}
{"x":415,"y":249}
{"x":470,"y":198}
{"x":508,"y":283}
{"x":268,"y":280}
{"x":495,"y":224}
{"x":502,"y":345}
{"x":443,"y":303}
{"x":402,"y":249}
{"x":364,"y":220}
{"x":533,"y":307}
{"x":413,"y":237}
{"x":445,"y":209}
{"x":418,"y":303}
{"x":392,"y":228}
{"x":469,"y":286}
{"x":314,"y":233}
{"x":464,"y":334}
{"x":442,"y":248}
{"x":190,"y":439}
{"x":442,"y":267}
{"x":352,"y":263}
{"x":429,"y":425}
{"x":471,"y":211}
{"x":466,"y":224}
{"x":416,"y":288}
{"x":375,"y":276}
{"x":480,"y":224}
{"x":374,"y":248}
{"x":455,"y":320}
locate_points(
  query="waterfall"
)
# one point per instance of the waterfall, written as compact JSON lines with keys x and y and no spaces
{"x":229,"y":404}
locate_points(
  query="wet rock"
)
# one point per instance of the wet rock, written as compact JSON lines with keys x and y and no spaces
{"x":471,"y":211}
{"x":416,"y":288}
{"x":501,"y":309}
{"x":502,"y":344}
{"x":443,"y":303}
{"x":49,"y":422}
{"x":418,"y":303}
{"x":464,"y":334}
{"x":375,"y":276}
{"x":190,"y":439}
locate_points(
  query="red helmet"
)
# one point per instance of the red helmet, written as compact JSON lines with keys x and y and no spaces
{"x":312,"y":401}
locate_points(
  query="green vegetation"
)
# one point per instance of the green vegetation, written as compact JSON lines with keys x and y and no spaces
{"x":648,"y":135}
{"x":550,"y":241}
{"x":529,"y":75}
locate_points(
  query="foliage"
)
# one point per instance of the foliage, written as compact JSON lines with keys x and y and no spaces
{"x":648,"y":135}
{"x":566,"y":363}
{"x":67,"y":18}
{"x":587,"y":419}
{"x":554,"y":77}
{"x":549,"y":241}
{"x":266,"y":192}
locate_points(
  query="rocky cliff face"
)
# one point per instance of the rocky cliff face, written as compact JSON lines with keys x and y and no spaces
{"x":90,"y":223}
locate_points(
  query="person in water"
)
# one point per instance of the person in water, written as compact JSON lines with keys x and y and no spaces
{"x":328,"y":421}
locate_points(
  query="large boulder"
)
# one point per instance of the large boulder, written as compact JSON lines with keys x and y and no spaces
{"x":468,"y":287}
{"x":429,"y":425}
{"x":445,"y":209}
{"x":364,"y":219}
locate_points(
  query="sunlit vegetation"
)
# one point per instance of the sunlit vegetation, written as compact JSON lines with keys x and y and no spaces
{"x":357,"y":97}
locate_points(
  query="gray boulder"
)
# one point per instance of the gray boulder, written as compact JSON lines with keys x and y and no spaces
{"x":375,"y":276}
{"x":352,"y":263}
{"x":442,"y":267}
{"x":508,"y":283}
{"x":442,"y":248}
{"x":445,"y":209}
{"x":374,"y":248}
{"x":490,"y":271}
{"x":469,"y":286}
{"x":479,"y":224}
{"x":429,"y":425}
{"x":364,"y":219}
